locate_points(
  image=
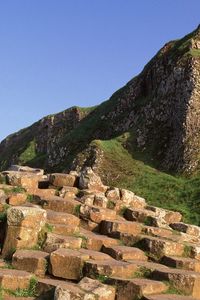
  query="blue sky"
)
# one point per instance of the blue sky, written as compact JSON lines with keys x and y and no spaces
{"x":58,"y":53}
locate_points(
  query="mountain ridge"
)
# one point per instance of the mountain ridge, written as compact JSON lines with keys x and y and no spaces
{"x":146,"y":129}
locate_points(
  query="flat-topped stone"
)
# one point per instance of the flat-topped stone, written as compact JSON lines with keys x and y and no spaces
{"x":187,"y":282}
{"x":32,"y":261}
{"x":186,"y":228}
{"x":57,"y":241}
{"x":116,"y":227}
{"x":129,"y":289}
{"x":14,"y":279}
{"x":181,"y":263}
{"x":95,"y":268}
{"x":54,"y":217}
{"x":125,"y":253}
{"x":66,"y":263}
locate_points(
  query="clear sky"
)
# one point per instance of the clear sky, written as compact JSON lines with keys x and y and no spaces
{"x":58,"y":53}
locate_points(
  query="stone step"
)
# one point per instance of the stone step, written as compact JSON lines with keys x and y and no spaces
{"x":14,"y":279}
{"x":158,"y":232}
{"x":136,"y":288}
{"x":186,"y":228}
{"x":46,"y":287}
{"x":86,"y":289}
{"x":56,"y":241}
{"x":186,"y":282}
{"x":138,"y":215}
{"x":168,"y":215}
{"x":125,"y":253}
{"x":96,"y":241}
{"x":54,"y":217}
{"x":96,"y":214}
{"x":59,"y":204}
{"x":31,"y":261}
{"x":110,"y":268}
{"x":67,"y":263}
{"x":181,"y":263}
{"x":116,"y":227}
{"x":157,"y":247}
{"x":64,"y":229}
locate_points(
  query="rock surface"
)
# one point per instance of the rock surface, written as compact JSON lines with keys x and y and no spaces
{"x":85,"y":251}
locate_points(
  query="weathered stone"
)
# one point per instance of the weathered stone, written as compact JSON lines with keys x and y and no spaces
{"x":113,"y":194}
{"x":168,"y":215}
{"x":185,"y":281}
{"x":158,"y":247}
{"x":138,"y":215}
{"x":60,"y":179}
{"x":96,"y":241}
{"x":31,"y":261}
{"x":100,"y":290}
{"x":89,"y":180}
{"x":59,"y":204}
{"x":14,"y":279}
{"x":114,"y":228}
{"x":129,"y":198}
{"x":100,"y":200}
{"x":54,"y":217}
{"x":136,"y":288}
{"x":24,"y":225}
{"x":66,"y":263}
{"x":17,"y":199}
{"x":111,"y":268}
{"x":186,"y":228}
{"x":57,"y":241}
{"x":185,"y":263}
{"x":125,"y":253}
{"x":96,"y":214}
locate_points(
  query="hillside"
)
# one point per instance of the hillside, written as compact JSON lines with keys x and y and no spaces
{"x":145,"y":137}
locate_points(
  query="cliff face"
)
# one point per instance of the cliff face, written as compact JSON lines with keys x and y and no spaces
{"x":160,"y":109}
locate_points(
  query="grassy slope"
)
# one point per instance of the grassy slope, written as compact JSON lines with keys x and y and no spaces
{"x":158,"y":188}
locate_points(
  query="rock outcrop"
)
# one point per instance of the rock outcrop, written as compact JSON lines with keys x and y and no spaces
{"x":160,"y":108}
{"x":98,"y":242}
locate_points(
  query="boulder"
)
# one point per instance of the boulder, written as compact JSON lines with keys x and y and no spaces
{"x":89,"y":180}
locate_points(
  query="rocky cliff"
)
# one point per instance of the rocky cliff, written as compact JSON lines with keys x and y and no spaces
{"x":158,"y":112}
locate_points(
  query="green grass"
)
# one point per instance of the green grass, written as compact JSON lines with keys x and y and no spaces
{"x":29,"y":153}
{"x":120,"y":168}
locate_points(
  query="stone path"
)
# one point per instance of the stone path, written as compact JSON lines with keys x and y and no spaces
{"x":67,"y":236}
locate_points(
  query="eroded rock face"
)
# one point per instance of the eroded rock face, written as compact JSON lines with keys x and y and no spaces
{"x":89,"y":180}
{"x":160,"y":105}
{"x":23,"y":227}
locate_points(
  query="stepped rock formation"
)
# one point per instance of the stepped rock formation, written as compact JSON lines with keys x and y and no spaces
{"x":74,"y":238}
{"x":160,"y":109}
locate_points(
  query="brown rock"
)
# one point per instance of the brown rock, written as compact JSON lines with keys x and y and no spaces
{"x":89,"y":180}
{"x":185,"y":281}
{"x":181,"y":263}
{"x":57,"y":241}
{"x":31,"y":261}
{"x":60,"y":179}
{"x":114,"y":228}
{"x":100,"y":290}
{"x":125,"y":253}
{"x":14,"y":279}
{"x":17,"y":199}
{"x":96,"y":214}
{"x":111,"y":268}
{"x":66,"y":263}
{"x":136,"y":288}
